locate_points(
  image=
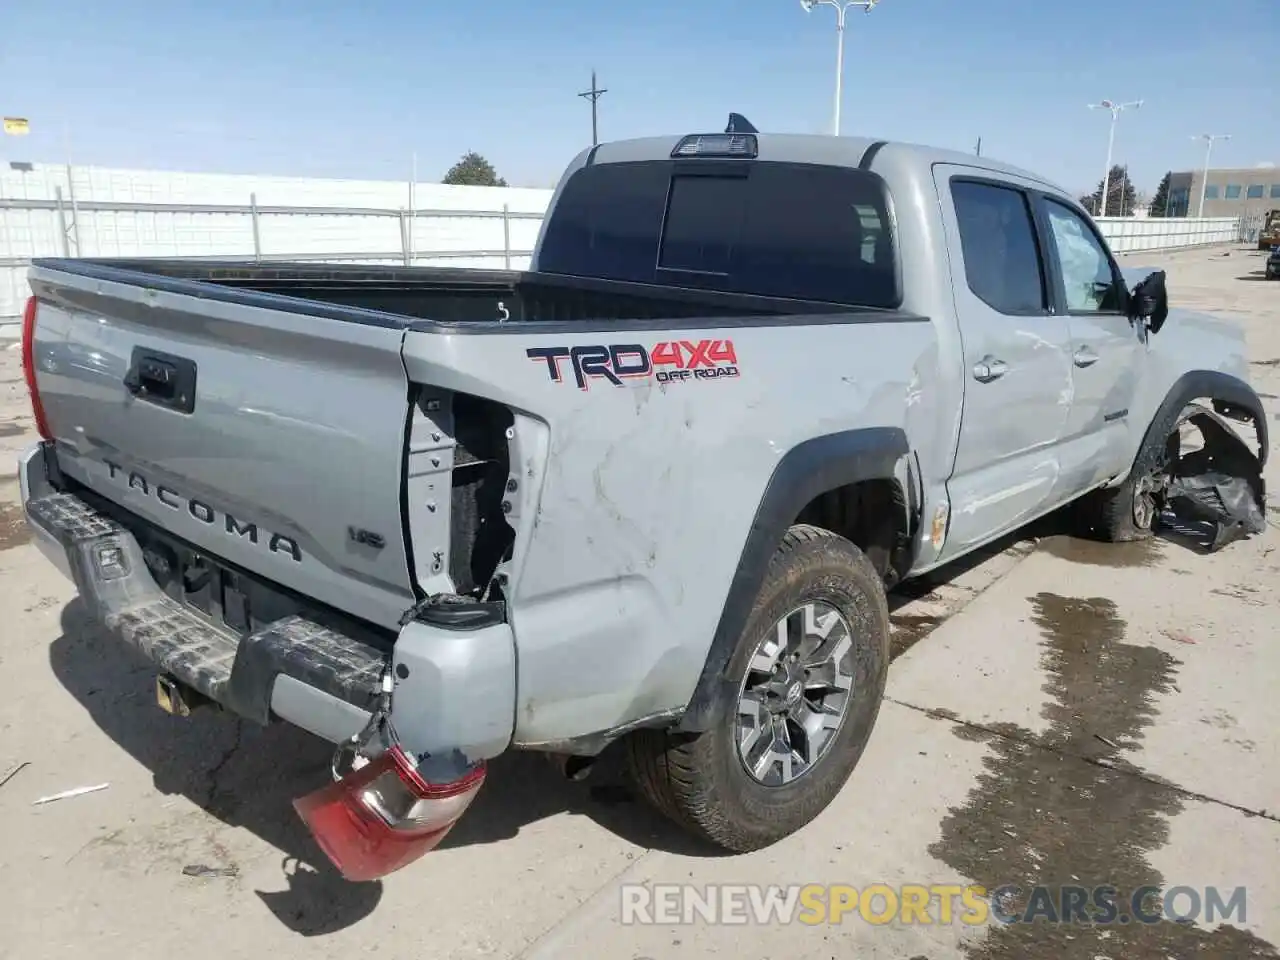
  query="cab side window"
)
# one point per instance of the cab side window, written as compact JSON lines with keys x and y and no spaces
{"x":1088,"y":276}
{"x":998,"y":242}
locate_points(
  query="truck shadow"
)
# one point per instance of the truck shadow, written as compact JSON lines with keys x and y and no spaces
{"x":247,"y":776}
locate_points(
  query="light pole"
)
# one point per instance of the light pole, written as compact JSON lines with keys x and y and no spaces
{"x":1116,"y":109}
{"x":842,"y":7}
{"x":1208,"y":138}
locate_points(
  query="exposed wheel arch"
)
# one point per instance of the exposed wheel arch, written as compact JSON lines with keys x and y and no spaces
{"x":1127,"y":509}
{"x":1231,"y":397}
{"x":802,"y":478}
{"x":874,"y":515}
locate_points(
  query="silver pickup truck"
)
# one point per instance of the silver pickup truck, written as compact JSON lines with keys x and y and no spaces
{"x":653,"y":488}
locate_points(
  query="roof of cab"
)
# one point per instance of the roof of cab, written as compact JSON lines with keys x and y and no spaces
{"x":814,"y":148}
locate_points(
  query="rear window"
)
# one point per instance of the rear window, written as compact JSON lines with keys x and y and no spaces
{"x":790,"y":230}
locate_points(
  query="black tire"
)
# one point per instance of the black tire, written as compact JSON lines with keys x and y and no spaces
{"x":699,"y":780}
{"x":1109,"y":514}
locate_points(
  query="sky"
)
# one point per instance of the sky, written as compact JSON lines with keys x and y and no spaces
{"x":355,"y":90}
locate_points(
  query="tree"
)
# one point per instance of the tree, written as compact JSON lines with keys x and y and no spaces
{"x":1121,"y":201}
{"x":473,"y":170}
{"x":1160,"y":202}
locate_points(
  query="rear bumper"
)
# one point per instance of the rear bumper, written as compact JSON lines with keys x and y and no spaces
{"x":454,"y":689}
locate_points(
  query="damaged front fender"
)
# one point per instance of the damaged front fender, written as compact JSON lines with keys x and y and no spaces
{"x":1219,"y":483}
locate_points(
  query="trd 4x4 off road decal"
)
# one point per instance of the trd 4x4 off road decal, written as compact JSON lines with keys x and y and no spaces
{"x":671,"y":361}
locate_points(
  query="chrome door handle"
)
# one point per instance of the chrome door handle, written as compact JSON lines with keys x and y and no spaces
{"x":989,"y":368}
{"x":1084,"y":357}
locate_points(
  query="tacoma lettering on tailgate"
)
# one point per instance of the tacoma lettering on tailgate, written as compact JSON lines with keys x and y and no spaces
{"x":671,"y":361}
{"x":275,"y":542}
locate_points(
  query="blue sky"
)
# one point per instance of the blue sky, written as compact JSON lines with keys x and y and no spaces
{"x":327,"y":88}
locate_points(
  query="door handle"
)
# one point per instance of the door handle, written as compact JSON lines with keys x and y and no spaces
{"x":1084,"y":357}
{"x":989,"y":368}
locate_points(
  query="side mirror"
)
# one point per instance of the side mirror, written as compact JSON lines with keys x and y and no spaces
{"x":1149,"y":301}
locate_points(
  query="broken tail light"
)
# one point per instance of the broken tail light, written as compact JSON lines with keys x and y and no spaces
{"x":385,"y":815}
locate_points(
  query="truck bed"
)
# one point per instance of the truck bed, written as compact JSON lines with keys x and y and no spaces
{"x":412,"y":296}
{"x":304,"y":452}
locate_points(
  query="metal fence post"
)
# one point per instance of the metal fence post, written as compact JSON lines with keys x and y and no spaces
{"x":62,"y":221}
{"x":75,"y":211}
{"x":409,"y":252}
{"x":257,"y":236}
{"x":506,"y":236}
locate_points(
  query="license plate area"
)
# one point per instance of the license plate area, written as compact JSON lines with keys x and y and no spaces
{"x":227,"y":597}
{"x":212,"y":589}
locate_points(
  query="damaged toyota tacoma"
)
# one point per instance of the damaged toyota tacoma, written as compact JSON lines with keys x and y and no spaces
{"x":652,"y":489}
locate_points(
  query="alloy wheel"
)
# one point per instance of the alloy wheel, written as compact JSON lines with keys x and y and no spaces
{"x":795,"y":694}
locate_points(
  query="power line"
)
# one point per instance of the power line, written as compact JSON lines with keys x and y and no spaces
{"x":594,"y":95}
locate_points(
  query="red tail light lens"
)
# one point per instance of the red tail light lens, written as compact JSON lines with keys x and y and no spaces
{"x":385,"y":815}
{"x":29,"y":368}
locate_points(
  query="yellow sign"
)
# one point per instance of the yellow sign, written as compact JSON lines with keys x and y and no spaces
{"x":16,"y":126}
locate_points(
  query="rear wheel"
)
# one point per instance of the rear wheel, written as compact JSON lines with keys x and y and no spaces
{"x":808,"y":678}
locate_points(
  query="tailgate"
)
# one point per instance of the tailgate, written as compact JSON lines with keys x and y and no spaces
{"x":270,"y":438}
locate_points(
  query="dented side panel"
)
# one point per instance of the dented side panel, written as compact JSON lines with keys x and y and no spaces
{"x":630,"y":501}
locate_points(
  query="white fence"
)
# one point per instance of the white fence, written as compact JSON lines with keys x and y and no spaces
{"x":48,"y":211}
{"x":1131,"y":234}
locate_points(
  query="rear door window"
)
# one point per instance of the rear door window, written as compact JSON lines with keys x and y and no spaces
{"x":1002,"y":263}
{"x":797,"y":231}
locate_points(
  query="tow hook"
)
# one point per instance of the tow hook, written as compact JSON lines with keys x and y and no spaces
{"x":176,"y":698}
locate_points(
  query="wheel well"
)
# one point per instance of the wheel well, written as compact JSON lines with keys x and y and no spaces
{"x":871,"y":514}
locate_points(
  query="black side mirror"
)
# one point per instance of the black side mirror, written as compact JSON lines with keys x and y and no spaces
{"x":1149,"y":301}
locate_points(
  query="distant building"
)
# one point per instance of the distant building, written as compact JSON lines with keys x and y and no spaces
{"x":1246,"y":192}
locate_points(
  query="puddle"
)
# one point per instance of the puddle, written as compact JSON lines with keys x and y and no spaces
{"x":12,"y":429}
{"x":1038,"y":816}
{"x":1139,"y":553}
{"x":909,"y":629}
{"x":14,"y":531}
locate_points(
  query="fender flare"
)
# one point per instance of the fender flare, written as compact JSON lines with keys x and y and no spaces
{"x":811,"y":468}
{"x":1227,"y":391}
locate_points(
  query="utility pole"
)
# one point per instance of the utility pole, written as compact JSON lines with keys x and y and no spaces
{"x":978,"y":149}
{"x":594,"y":95}
{"x":1208,"y":138}
{"x":1116,"y":109}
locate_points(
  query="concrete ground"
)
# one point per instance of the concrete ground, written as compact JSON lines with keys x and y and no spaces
{"x":1059,"y":712}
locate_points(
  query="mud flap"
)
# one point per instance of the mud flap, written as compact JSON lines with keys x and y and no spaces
{"x":1219,"y":484}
